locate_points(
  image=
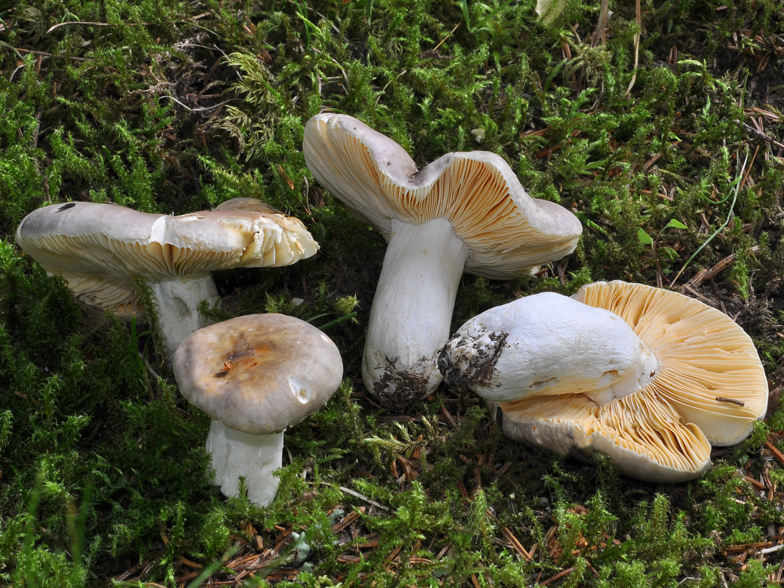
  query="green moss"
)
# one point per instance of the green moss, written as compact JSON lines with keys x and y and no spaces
{"x":178,"y":106}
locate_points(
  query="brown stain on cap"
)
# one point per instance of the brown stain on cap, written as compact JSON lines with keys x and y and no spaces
{"x":249,"y":372}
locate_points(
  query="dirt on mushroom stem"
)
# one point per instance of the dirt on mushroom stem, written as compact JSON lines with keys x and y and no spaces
{"x":481,"y":363}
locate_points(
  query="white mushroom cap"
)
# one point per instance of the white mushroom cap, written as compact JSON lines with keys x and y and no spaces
{"x":258,"y":374}
{"x":99,"y":249}
{"x":652,"y":390}
{"x":506,"y":231}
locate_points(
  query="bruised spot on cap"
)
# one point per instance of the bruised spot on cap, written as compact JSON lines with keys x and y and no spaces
{"x":301,"y":389}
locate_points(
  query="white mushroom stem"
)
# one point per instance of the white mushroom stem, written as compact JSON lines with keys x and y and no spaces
{"x":412,"y":310}
{"x":254,"y":457}
{"x":177,"y":302}
{"x":548,"y":344}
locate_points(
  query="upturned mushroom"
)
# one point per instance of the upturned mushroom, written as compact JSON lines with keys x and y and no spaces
{"x":465,"y":211}
{"x":255,"y":376}
{"x":100,"y":249}
{"x":647,"y":376}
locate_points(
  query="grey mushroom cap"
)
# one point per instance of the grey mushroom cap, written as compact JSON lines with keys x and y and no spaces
{"x":247,"y":204}
{"x":258,"y":374}
{"x":100,"y":249}
{"x":506,"y":231}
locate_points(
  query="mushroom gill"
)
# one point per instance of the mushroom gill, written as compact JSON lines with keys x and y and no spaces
{"x":645,"y":437}
{"x":710,"y":370}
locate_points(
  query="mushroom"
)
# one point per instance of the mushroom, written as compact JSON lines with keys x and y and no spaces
{"x":647,"y":376}
{"x":255,"y":376}
{"x":100,"y":249}
{"x":465,"y":211}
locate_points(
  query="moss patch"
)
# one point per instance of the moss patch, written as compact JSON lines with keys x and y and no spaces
{"x":169,"y":106}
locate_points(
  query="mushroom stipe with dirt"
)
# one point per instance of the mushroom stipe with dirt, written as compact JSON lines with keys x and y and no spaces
{"x":464,"y":211}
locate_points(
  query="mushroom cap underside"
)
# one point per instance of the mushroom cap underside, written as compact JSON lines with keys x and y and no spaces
{"x":506,"y":231}
{"x":710,"y":371}
{"x":259,"y":373}
{"x":99,"y":249}
{"x":643,"y":436}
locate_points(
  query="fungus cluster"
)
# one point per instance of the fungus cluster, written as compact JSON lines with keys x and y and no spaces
{"x":648,"y":377}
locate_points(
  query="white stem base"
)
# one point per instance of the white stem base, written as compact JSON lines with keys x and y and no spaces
{"x":412,"y":311}
{"x":255,"y":457}
{"x":178,"y":302}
